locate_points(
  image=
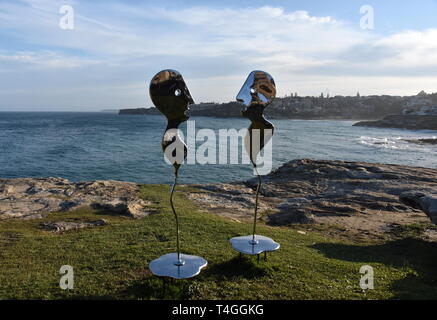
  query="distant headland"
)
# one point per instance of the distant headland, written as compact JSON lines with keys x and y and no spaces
{"x":316,"y":108}
{"x":136,"y":111}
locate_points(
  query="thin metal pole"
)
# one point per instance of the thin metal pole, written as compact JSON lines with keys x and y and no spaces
{"x":256,"y":203}
{"x":175,"y":214}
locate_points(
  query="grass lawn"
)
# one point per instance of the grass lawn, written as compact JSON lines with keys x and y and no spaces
{"x":111,"y":262}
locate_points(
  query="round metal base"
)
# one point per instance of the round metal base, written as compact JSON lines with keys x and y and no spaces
{"x":261,"y":244}
{"x":169,"y":266}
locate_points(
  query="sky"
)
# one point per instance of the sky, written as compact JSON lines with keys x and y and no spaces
{"x":115,"y":47}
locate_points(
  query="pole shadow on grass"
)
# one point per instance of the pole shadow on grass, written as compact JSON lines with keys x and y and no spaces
{"x":160,"y":288}
{"x":147,"y":289}
{"x":98,"y":209}
{"x":96,"y":297}
{"x":153,"y":287}
{"x":417,"y":254}
{"x":244,"y":267}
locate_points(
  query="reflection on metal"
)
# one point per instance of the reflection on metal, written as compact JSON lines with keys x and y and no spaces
{"x":258,"y":90}
{"x":261,"y":244}
{"x":171,"y":96}
{"x":164,"y":266}
{"x":257,"y":93}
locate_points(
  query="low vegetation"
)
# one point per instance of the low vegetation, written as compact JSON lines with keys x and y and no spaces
{"x":110,"y":262}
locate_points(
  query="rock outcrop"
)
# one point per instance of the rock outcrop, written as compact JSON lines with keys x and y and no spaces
{"x":360,"y":197}
{"x":413,"y":122}
{"x":31,"y":198}
{"x":422,"y":141}
{"x":419,"y":200}
{"x":61,"y":226}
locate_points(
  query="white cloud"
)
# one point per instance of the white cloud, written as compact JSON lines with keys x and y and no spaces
{"x":412,"y":48}
{"x":115,"y":44}
{"x":42,"y":60}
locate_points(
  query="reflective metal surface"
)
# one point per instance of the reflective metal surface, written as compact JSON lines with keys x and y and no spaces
{"x":259,"y":89}
{"x":257,"y":93}
{"x":171,"y":96}
{"x":168,"y":266}
{"x":254,"y":245}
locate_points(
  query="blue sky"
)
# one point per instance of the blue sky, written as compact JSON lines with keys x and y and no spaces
{"x":116,"y":47}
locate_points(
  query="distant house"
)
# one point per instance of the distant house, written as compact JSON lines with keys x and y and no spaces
{"x":423,"y":111}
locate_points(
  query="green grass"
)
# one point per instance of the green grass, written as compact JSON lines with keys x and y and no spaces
{"x":110,"y":262}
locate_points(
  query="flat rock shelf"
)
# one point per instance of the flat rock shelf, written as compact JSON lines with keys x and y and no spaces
{"x":361,"y":198}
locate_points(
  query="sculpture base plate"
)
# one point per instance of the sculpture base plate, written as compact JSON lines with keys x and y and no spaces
{"x":168,"y":266}
{"x":247,"y":246}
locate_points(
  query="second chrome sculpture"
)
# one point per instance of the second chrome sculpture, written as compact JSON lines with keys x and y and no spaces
{"x":257,"y":93}
{"x":170,"y":95}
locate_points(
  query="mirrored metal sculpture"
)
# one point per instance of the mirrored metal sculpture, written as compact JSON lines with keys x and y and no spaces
{"x":257,"y":93}
{"x":170,"y":95}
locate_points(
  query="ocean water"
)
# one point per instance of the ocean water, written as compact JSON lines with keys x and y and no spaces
{"x":88,"y":146}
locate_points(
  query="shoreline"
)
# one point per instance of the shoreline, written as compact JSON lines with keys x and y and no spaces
{"x":361,"y":197}
{"x":195,"y":116}
{"x":416,"y":141}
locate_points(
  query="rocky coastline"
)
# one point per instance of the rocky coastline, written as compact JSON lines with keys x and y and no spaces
{"x":423,"y":141}
{"x":362,"y":198}
{"x":412,"y":122}
{"x":33,"y":198}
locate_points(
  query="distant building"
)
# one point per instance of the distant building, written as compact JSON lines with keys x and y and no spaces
{"x":423,"y":111}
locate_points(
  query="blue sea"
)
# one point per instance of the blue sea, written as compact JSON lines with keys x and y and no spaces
{"x":89,"y":146}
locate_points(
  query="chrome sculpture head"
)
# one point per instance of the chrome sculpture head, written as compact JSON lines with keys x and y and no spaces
{"x":259,"y":90}
{"x":257,"y":93}
{"x":171,"y":96}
